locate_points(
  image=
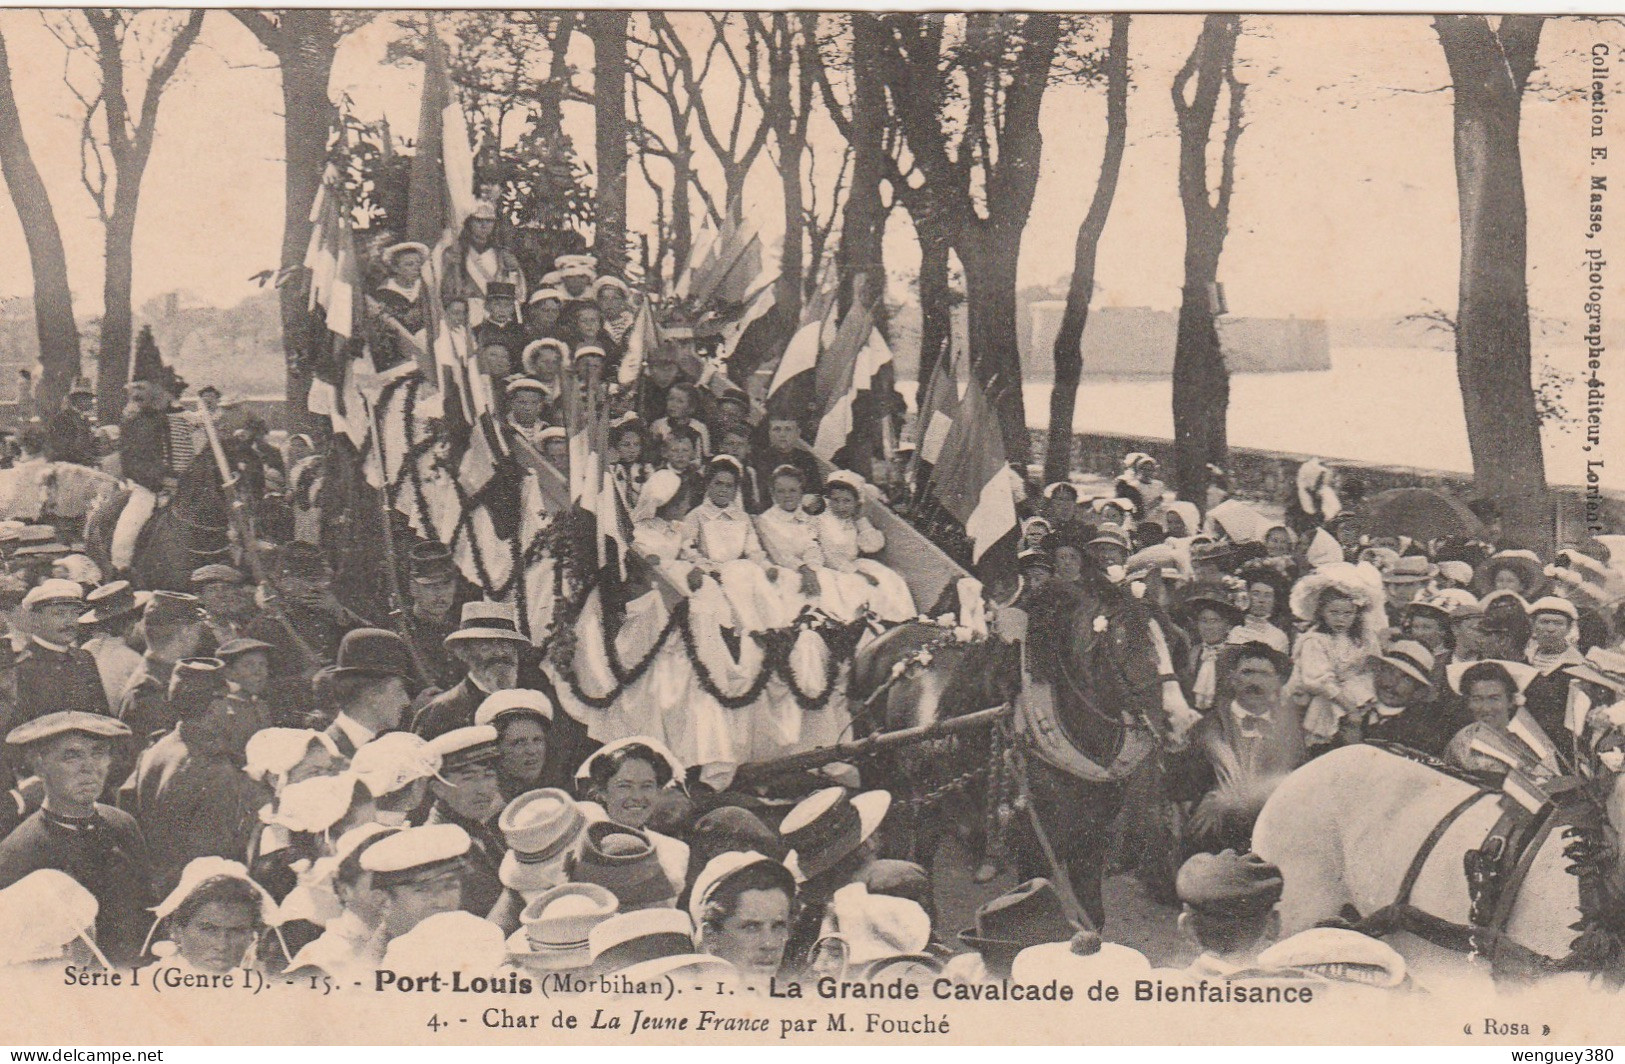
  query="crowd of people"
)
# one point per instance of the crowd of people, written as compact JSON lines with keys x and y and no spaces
{"x":241,"y":775}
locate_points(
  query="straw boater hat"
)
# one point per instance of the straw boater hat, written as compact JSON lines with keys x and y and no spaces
{"x":555,"y":927}
{"x":828,"y":825}
{"x":518,"y":382}
{"x":1554,"y":604}
{"x":487,"y":620}
{"x":640,"y":936}
{"x":405,"y":245}
{"x":541,"y":828}
{"x":1411,"y":658}
{"x":414,"y":854}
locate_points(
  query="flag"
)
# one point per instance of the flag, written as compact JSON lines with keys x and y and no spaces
{"x":1539,"y":747}
{"x":1577,"y":710}
{"x":642,"y":339}
{"x":972,"y":479}
{"x":703,"y":252}
{"x":857,"y":378}
{"x":793,"y":389}
{"x":1525,"y":791}
{"x":757,"y":304}
{"x":726,"y":266}
{"x":335,"y":288}
{"x":440,"y":194}
{"x":936,"y":407}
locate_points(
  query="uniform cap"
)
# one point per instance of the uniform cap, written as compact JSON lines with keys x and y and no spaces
{"x":48,"y":592}
{"x":623,"y":861}
{"x":514,"y":700}
{"x":411,"y":852}
{"x":216,"y":574}
{"x":432,"y":563}
{"x":465,"y":746}
{"x":236,"y":648}
{"x":1554,"y":604}
{"x":117,"y":599}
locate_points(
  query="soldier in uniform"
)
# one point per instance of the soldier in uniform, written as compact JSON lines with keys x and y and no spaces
{"x":189,"y":793}
{"x":156,"y":444}
{"x":466,"y":793}
{"x":433,"y":615}
{"x":227,"y":598}
{"x":52,"y":673}
{"x":72,"y":753}
{"x":173,"y":624}
{"x":248,"y":673}
{"x":488,"y":643}
{"x":303,"y":625}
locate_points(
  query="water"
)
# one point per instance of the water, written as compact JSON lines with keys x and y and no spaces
{"x":1391,"y":406}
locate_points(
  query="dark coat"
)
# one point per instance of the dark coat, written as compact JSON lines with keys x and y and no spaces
{"x":451,"y":709}
{"x":143,"y":445}
{"x":192,"y":800}
{"x":481,"y":887}
{"x":144,"y":706}
{"x":106,"y":855}
{"x":50,"y":680}
{"x":69,"y":438}
{"x":428,"y":638}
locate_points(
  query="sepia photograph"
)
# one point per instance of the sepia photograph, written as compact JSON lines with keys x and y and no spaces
{"x":645,"y":527}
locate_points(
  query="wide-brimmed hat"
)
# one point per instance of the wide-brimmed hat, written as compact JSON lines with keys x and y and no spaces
{"x":1228,"y":884}
{"x":640,"y":936}
{"x":1427,"y":605}
{"x":1025,"y":915}
{"x":828,"y":825}
{"x":1339,"y":955}
{"x":405,"y":245}
{"x":623,"y":861}
{"x":1111,"y":962}
{"x":487,"y":620}
{"x":1411,"y":658}
{"x":540,"y":827}
{"x":1519,"y":672}
{"x":111,"y":602}
{"x":372,"y":652}
{"x":1207,"y":598}
{"x":1456,"y":603}
{"x":556,"y":926}
{"x":1340,"y":576}
{"x":1526,"y":563}
{"x":216,"y":573}
{"x":62,"y":722}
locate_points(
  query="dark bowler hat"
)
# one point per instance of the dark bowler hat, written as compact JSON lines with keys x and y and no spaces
{"x":1229,"y":884}
{"x":111,"y":602}
{"x":1028,"y":914}
{"x":303,"y":561}
{"x":372,"y":652}
{"x":172,"y":607}
{"x":195,"y":684}
{"x":61,"y":723}
{"x":432,"y":563}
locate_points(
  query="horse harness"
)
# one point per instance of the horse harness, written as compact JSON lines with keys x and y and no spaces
{"x":1496,"y":870}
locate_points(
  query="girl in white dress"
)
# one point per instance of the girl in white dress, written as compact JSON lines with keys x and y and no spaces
{"x":845,"y":536}
{"x":789,"y":534}
{"x":719,"y":539}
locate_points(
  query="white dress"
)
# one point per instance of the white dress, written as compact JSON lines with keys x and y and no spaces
{"x":790,"y":538}
{"x":844,"y":542}
{"x":725,"y":541}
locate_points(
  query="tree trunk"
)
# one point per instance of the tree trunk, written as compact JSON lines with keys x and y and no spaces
{"x":608,"y":30}
{"x":309,"y":41}
{"x":989,"y":259}
{"x":113,"y":360}
{"x":1201,"y":384}
{"x":936,"y":299}
{"x":863,"y":223}
{"x":53,"y":298}
{"x":792,"y":144}
{"x":1489,"y":70}
{"x":1069,"y":339}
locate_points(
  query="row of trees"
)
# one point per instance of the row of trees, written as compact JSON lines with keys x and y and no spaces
{"x":935,"y":115}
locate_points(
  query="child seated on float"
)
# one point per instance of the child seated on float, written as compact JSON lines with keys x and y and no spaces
{"x":790,"y":536}
{"x":719,"y":538}
{"x":626,"y":443}
{"x":845,"y":536}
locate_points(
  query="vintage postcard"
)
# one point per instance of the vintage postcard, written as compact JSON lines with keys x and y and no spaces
{"x":530,"y":527}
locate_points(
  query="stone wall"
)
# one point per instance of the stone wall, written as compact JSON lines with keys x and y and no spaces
{"x":1270,"y":475}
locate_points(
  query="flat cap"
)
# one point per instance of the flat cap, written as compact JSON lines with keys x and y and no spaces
{"x":61,"y":723}
{"x":465,"y":746}
{"x":216,"y":574}
{"x":49,"y":592}
{"x":415,"y":850}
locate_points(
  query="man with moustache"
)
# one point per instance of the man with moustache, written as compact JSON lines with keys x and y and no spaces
{"x":488,"y":644}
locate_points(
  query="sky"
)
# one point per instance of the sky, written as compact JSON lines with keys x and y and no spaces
{"x":1344,"y":205}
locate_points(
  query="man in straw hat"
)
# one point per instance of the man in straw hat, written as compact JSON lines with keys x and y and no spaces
{"x":188,"y":792}
{"x":831,"y":838}
{"x":52,"y":673}
{"x":556,"y":927}
{"x":72,"y":753}
{"x":1407,"y":710}
{"x":488,"y":643}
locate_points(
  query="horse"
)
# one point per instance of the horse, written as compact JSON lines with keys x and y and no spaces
{"x":962,"y":677}
{"x":1367,"y":836}
{"x":191,"y":530}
